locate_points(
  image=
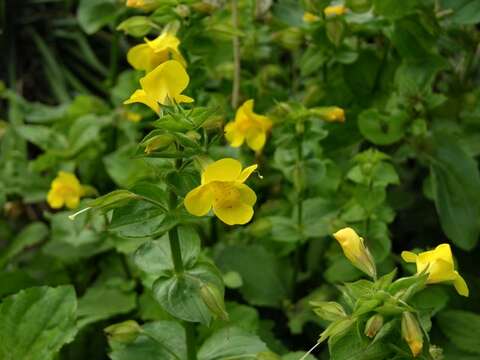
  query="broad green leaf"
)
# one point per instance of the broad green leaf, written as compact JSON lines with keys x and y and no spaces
{"x":36,"y":322}
{"x":104,"y":301}
{"x":264,"y":281}
{"x":155,"y":256}
{"x":464,"y":11}
{"x":32,"y":234}
{"x":44,"y":137}
{"x":231,"y":343}
{"x":381,"y":129}
{"x":462,"y":328}
{"x":456,"y":180}
{"x":179,"y":294}
{"x":160,"y":340}
{"x":94,"y":14}
{"x":391,"y":9}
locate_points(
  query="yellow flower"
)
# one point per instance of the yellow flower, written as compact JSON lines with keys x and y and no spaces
{"x":335,"y":10}
{"x":143,"y":4}
{"x":153,"y":53}
{"x":248,"y":126}
{"x":223,"y":189}
{"x":163,"y":85}
{"x":65,"y":190}
{"x":439,"y":265}
{"x":355,"y":250}
{"x":133,"y":116}
{"x":411,"y":333}
{"x":308,"y":17}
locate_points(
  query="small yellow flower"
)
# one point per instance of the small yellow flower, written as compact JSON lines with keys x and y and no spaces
{"x":335,"y":10}
{"x":163,"y":85}
{"x":308,"y":17}
{"x":411,"y":333}
{"x":355,"y":250}
{"x":133,"y":116}
{"x":248,"y":126}
{"x":223,"y":189}
{"x":153,"y":53}
{"x":439,"y":265}
{"x":65,"y":190}
{"x":146,"y":5}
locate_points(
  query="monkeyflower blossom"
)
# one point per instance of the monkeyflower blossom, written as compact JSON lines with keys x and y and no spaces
{"x":162,"y":86}
{"x":335,"y":10}
{"x":222,"y":188}
{"x":65,"y":190}
{"x":355,"y":250}
{"x":438,"y":263}
{"x":152,"y":53}
{"x":248,"y":126}
{"x":309,"y":17}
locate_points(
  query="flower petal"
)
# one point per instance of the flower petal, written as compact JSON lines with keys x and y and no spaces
{"x":141,"y":96}
{"x":139,"y":57}
{"x":247,"y":195}
{"x":256,"y":139}
{"x":244,"y":175}
{"x":237,"y":214}
{"x":54,"y":200}
{"x":183,"y":99}
{"x":246,"y":110}
{"x":460,"y":285}
{"x":166,"y":81}
{"x":439,"y":270}
{"x":234,"y":137}
{"x":222,"y":170}
{"x":199,"y":201}
{"x":72,"y":201}
{"x":409,"y":256}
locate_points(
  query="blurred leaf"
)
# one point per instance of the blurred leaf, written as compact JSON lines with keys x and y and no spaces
{"x":35,"y":323}
{"x":462,"y":328}
{"x":92,"y":15}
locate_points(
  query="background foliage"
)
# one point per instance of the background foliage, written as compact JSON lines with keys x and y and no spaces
{"x":402,"y":170}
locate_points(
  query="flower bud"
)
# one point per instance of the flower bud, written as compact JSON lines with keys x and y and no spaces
{"x":328,"y":310}
{"x":212,"y":297}
{"x":373,"y":326}
{"x":158,"y":142}
{"x":146,"y":5}
{"x":137,"y":26}
{"x":411,"y":333}
{"x":335,"y":10}
{"x":329,"y":113}
{"x":124,"y":332}
{"x":182,"y":10}
{"x":355,"y":250}
{"x":308,"y":17}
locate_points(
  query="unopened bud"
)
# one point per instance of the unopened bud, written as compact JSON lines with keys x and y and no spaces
{"x":354,"y":248}
{"x":373,"y":326}
{"x":213,"y":298}
{"x":328,"y":310}
{"x":329,"y":113}
{"x":182,"y":10}
{"x":124,"y":332}
{"x":146,"y":5}
{"x":137,"y":26}
{"x":158,"y":142}
{"x":335,"y":10}
{"x":411,"y":333}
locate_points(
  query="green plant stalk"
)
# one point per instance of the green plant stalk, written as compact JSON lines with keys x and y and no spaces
{"x":297,"y":255}
{"x":176,"y":253}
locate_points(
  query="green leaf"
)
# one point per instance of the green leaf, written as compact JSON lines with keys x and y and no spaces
{"x":179,"y":294}
{"x":464,"y":11}
{"x":462,"y":328}
{"x":381,"y":129}
{"x":391,"y":9}
{"x":231,"y":343}
{"x":94,"y":14}
{"x":456,"y":180}
{"x":43,"y":137}
{"x":32,"y":234}
{"x":155,"y":256}
{"x":159,"y":340}
{"x":264,"y":280}
{"x":352,"y":345}
{"x":35,"y":323}
{"x":105,"y":301}
{"x":318,"y":216}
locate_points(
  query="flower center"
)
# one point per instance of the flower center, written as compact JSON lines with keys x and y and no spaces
{"x":225,"y":194}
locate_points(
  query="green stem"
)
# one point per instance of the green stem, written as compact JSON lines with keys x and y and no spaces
{"x":179,"y":270}
{"x":297,"y":255}
{"x":191,"y":343}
